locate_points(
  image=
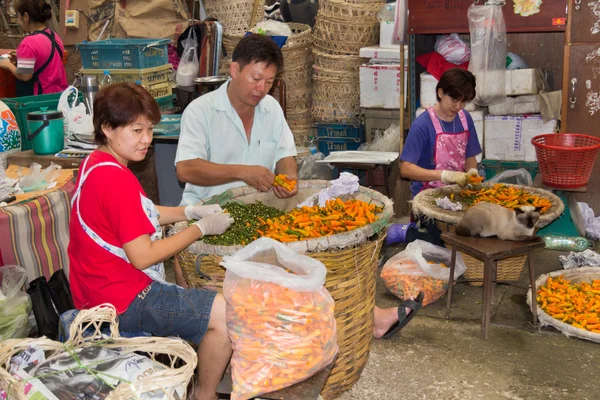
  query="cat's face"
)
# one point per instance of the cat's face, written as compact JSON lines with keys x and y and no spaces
{"x":528,"y":216}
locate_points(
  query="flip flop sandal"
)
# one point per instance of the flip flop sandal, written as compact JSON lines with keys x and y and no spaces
{"x":404,"y":319}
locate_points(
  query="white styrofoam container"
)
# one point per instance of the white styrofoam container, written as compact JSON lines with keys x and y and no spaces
{"x":478,"y":116}
{"x":384,"y":54}
{"x":387,"y":38}
{"x":521,"y":82}
{"x":428,"y":84}
{"x":508,"y":137}
{"x":380,"y":86}
{"x":529,"y":104}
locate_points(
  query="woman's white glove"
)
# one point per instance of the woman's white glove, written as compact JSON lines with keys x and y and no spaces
{"x":214,"y":224}
{"x":198,"y":211}
{"x":473,"y":172}
{"x":451,"y":177}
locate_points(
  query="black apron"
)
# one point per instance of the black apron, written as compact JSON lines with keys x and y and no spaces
{"x":27,"y":88}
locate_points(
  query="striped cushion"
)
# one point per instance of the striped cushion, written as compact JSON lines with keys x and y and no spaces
{"x":35,"y":234}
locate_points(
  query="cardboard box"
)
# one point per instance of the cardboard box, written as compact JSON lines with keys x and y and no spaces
{"x":478,"y":116}
{"x":522,"y":81}
{"x":517,"y":105}
{"x":508,"y":137}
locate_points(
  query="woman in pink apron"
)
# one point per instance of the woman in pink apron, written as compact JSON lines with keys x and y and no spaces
{"x":440,"y":148}
{"x":116,"y":248}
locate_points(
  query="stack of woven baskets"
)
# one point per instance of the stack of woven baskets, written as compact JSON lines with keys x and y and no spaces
{"x":342,"y":28}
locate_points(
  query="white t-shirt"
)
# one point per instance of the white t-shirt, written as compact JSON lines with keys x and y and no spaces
{"x":212,"y":130}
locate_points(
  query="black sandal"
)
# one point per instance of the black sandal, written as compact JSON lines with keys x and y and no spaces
{"x":404,"y":319}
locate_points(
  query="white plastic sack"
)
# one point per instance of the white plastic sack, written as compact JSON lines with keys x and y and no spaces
{"x":514,"y":176}
{"x":188,"y":67}
{"x":592,"y":224}
{"x":77,"y":121}
{"x":488,"y":53}
{"x":15,"y":305}
{"x":280,"y":318}
{"x":421,"y":267}
{"x":453,"y":49}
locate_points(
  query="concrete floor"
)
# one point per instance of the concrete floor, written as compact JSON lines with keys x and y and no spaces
{"x":433,"y":358}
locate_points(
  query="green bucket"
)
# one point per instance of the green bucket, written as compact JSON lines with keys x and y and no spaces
{"x":46,"y":131}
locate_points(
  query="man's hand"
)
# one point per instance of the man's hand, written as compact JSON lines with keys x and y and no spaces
{"x":450,"y":177}
{"x":197,"y":211}
{"x":258,"y":177}
{"x":283,"y":193}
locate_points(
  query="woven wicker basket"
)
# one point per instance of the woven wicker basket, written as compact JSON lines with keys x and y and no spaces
{"x":236,"y":15}
{"x":509,"y":269}
{"x":302,"y":136}
{"x":177,"y":351}
{"x":351,"y":275}
{"x":336,"y":96}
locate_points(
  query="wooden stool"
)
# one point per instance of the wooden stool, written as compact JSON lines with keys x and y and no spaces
{"x":307,"y":389}
{"x":490,"y":251}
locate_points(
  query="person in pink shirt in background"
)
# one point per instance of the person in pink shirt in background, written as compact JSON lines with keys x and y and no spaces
{"x":39,"y":68}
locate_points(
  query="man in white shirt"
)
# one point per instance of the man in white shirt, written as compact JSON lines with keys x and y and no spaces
{"x":237,"y":135}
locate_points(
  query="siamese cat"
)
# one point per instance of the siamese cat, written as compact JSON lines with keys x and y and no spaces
{"x":488,"y":219}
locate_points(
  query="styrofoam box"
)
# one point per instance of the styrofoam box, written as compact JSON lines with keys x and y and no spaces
{"x":521,"y":81}
{"x":386,"y":35}
{"x":508,"y":137}
{"x":478,"y":116}
{"x":517,"y":105}
{"x":380,"y":86}
{"x":384,"y":54}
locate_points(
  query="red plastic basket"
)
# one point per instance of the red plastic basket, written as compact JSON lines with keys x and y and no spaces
{"x":566,"y":160}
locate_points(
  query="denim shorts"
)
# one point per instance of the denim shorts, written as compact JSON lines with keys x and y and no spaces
{"x":169,"y":310}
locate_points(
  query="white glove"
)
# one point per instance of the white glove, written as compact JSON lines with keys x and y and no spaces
{"x":473,"y":172}
{"x":450,"y":177}
{"x":214,"y":224}
{"x":197,"y":211}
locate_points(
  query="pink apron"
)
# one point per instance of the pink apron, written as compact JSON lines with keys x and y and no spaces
{"x":450,"y":148}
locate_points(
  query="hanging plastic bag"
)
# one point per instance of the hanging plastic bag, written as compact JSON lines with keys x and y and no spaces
{"x":453,"y":49}
{"x":515,"y":176}
{"x":488,"y":53}
{"x":421,"y":267}
{"x":279,"y":317}
{"x":15,"y":305}
{"x":77,"y":120}
{"x":188,"y":67}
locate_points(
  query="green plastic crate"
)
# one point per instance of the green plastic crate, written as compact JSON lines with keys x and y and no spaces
{"x":166,"y":103}
{"x":495,"y":167}
{"x":21,"y":106}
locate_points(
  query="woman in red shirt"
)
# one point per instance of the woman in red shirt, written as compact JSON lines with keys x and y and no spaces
{"x":39,"y":69}
{"x":116,"y":247}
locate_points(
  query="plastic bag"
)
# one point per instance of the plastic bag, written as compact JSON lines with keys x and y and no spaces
{"x":77,"y":121}
{"x":513,"y":61}
{"x":421,"y":267}
{"x":388,"y":141}
{"x":488,"y":53}
{"x":592,"y":223}
{"x":515,"y":176}
{"x":310,"y":169}
{"x":453,"y":49}
{"x":37,"y":179}
{"x":15,"y":305}
{"x":188,"y":67}
{"x":387,"y":12}
{"x":279,"y":317}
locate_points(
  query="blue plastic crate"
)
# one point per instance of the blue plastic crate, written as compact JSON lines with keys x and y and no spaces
{"x":166,"y":103}
{"x":327,"y":145}
{"x":340,"y":131}
{"x":124,"y":53}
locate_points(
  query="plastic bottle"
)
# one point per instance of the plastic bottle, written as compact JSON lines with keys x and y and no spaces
{"x":106,"y":79}
{"x":312,"y":144}
{"x":567,"y":243}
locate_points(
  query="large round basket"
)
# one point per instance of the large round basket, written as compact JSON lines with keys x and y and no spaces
{"x":584,"y":274}
{"x":509,"y":269}
{"x":85,"y":331}
{"x":237,"y":16}
{"x":351,"y":260}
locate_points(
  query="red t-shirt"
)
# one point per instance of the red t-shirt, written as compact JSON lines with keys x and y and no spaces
{"x":111,"y":206}
{"x":33,"y":52}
